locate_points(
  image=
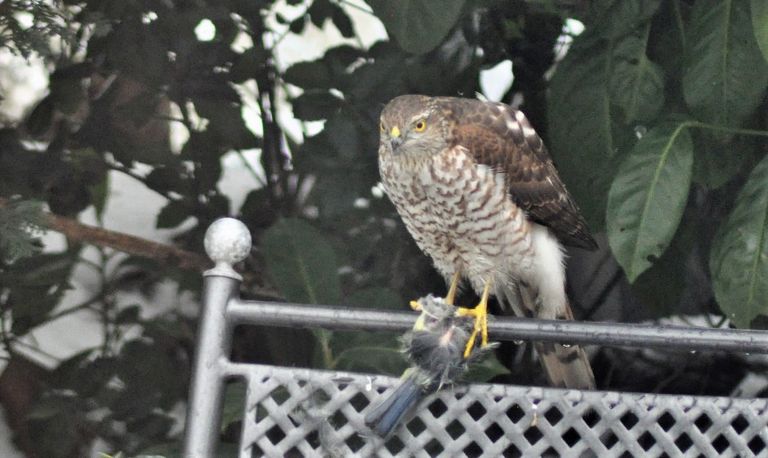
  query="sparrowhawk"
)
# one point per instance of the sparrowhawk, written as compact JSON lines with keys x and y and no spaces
{"x":478,"y":191}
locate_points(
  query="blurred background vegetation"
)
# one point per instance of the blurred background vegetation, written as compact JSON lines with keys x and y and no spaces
{"x":655,"y":114}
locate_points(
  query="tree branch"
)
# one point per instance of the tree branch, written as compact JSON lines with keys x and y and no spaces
{"x":166,"y":254}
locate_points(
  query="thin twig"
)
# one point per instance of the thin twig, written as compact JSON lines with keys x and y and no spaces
{"x":250,"y":169}
{"x":77,"y":308}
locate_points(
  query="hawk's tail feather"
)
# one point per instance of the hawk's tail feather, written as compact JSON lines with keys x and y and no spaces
{"x":566,"y":366}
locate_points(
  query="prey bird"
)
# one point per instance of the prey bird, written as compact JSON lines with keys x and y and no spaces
{"x":435,"y":349}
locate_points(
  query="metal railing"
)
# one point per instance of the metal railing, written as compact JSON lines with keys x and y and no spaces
{"x":302,"y":412}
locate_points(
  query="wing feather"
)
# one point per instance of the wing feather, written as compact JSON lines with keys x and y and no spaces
{"x":502,"y":138}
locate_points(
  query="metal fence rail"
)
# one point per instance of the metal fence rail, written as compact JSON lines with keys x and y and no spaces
{"x":300,"y":412}
{"x":504,"y":328}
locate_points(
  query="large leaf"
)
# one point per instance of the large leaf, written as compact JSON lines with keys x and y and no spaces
{"x":309,"y":75}
{"x":605,"y":67}
{"x":660,"y":288}
{"x":739,"y":259}
{"x":725,"y":74}
{"x":637,"y":84}
{"x":615,"y":18}
{"x":648,"y":197}
{"x":418,"y":26}
{"x":301,"y":262}
{"x":580,"y":130}
{"x":760,"y":24}
{"x":717,"y":163}
{"x":376,"y":297}
{"x":315,"y":105}
{"x":370,"y":351}
{"x":485,"y":370}
{"x":385,"y":360}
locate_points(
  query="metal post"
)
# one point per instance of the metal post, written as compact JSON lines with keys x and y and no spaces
{"x":226,"y":242}
{"x":206,"y":390}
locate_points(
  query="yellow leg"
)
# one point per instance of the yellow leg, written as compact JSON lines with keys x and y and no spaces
{"x":451,"y":297}
{"x":480,"y":312}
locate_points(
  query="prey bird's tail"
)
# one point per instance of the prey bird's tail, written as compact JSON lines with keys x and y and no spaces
{"x":566,"y":366}
{"x":384,"y":417}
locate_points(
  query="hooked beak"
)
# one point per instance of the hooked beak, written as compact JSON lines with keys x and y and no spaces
{"x":395,"y":139}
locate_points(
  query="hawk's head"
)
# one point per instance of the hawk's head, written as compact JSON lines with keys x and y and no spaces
{"x":412,"y":125}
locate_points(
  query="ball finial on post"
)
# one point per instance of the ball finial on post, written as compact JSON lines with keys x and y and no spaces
{"x":227,"y":242}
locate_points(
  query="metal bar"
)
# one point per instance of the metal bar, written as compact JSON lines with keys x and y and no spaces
{"x":505,"y":328}
{"x":214,"y":337}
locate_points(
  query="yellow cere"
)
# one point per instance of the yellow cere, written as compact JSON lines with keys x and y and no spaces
{"x":395,"y":132}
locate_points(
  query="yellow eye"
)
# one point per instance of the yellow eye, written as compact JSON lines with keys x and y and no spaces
{"x":382,"y":128}
{"x":420,"y":125}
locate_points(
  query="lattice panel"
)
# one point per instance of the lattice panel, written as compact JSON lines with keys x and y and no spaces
{"x":309,"y":413}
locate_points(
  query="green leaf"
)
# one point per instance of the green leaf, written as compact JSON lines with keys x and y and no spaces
{"x":615,"y":18}
{"x":173,"y":214}
{"x":648,"y":197}
{"x":20,"y":224}
{"x":725,"y":75}
{"x":233,"y":404}
{"x":51,"y":406}
{"x":418,"y":26}
{"x":637,"y":84}
{"x":170,"y":178}
{"x":666,"y":43}
{"x":257,"y":211}
{"x":315,"y":105}
{"x":383,"y":360}
{"x":100,"y":193}
{"x":309,"y":75}
{"x":247,"y":65}
{"x":716,"y":164}
{"x":319,"y":12}
{"x":739,"y":259}
{"x":42,"y":271}
{"x":580,"y":130}
{"x":606,"y":67}
{"x":129,"y":315}
{"x":486,"y":369}
{"x":342,"y":22}
{"x":375,"y":297}
{"x":335,"y":192}
{"x":301,"y":262}
{"x":40,"y":119}
{"x":660,"y":288}
{"x":760,"y":25}
{"x":344,"y":135}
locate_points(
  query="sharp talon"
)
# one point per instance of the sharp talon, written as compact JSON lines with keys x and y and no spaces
{"x":450,"y":298}
{"x":416,"y":306}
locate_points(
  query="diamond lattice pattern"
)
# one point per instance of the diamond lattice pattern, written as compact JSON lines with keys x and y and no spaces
{"x":309,"y":413}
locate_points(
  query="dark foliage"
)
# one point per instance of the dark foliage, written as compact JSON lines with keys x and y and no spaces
{"x":656,"y":117}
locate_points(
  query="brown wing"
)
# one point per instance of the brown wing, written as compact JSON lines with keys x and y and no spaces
{"x":501,"y":137}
